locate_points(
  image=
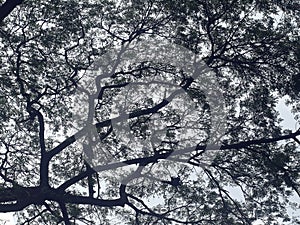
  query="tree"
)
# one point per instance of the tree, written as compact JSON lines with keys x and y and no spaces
{"x":139,"y":155}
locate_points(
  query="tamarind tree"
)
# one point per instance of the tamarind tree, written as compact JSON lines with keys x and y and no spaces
{"x":101,"y":123}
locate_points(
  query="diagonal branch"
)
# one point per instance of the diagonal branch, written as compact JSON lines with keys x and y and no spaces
{"x":8,"y":7}
{"x":65,"y":213}
{"x":239,"y":145}
{"x":155,"y":158}
{"x":106,"y":123}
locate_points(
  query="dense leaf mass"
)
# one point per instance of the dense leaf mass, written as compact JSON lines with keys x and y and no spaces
{"x":153,"y":144}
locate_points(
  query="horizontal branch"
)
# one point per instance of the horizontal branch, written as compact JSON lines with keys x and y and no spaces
{"x":14,"y":207}
{"x":16,"y":198}
{"x":73,"y":199}
{"x":21,"y":197}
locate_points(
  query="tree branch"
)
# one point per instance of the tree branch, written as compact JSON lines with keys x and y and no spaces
{"x":154,"y":158}
{"x":8,"y":7}
{"x":65,"y":213}
{"x":106,"y":123}
{"x":73,"y":199}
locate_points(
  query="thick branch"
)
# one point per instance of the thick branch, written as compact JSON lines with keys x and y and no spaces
{"x":18,"y":198}
{"x":68,"y":198}
{"x":152,"y":159}
{"x":44,"y":173}
{"x":65,"y":213}
{"x":15,"y":207}
{"x":8,"y":7}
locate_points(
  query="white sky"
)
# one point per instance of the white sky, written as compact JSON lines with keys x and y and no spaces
{"x":285,"y":112}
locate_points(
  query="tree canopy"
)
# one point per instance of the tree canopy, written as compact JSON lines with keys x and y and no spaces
{"x":148,"y":111}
